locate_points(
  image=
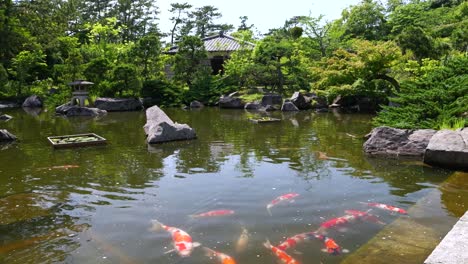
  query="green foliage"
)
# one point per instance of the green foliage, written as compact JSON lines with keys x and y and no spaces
{"x":125,"y":80}
{"x":189,"y":58}
{"x":162,"y":92}
{"x":366,"y":21}
{"x":438,"y":97}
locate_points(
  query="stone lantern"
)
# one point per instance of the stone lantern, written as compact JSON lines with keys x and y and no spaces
{"x":80,"y":92}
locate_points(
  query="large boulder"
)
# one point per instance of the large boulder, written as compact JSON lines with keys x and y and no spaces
{"x":160,"y":128}
{"x":300,"y":101}
{"x":289,"y":107}
{"x":74,"y":110}
{"x":252,"y":106}
{"x":398,"y":142}
{"x":230,"y":102}
{"x":448,"y":148}
{"x":196,"y":104}
{"x":32,"y":101}
{"x":118,"y":104}
{"x":6,"y":136}
{"x":272,"y":99}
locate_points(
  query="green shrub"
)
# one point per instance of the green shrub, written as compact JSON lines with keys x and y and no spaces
{"x":436,"y":99}
{"x":163,"y":92}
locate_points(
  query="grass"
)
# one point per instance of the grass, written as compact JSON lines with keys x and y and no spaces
{"x":453,"y":124}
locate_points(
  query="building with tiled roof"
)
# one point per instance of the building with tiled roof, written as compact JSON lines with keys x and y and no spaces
{"x":219,"y":48}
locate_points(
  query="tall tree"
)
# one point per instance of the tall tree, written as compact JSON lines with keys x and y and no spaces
{"x":243,"y":24}
{"x":204,"y":21}
{"x":95,"y":10}
{"x":180,"y":16}
{"x":147,"y":51}
{"x":134,"y":17}
{"x":13,"y":36}
{"x":318,"y":31}
{"x":188,"y":60}
{"x":366,"y":21}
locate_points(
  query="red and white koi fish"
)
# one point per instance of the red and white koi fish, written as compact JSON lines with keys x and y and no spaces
{"x":221,"y":257}
{"x":331,"y":246}
{"x":282,"y":256}
{"x":213,"y":213}
{"x":183,"y":244}
{"x":337,"y":222}
{"x":60,"y":167}
{"x":365,"y":216}
{"x":282,"y":198}
{"x":390,"y":208}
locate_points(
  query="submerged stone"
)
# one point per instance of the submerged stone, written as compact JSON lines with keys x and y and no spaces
{"x":74,"y":110}
{"x":6,"y":136}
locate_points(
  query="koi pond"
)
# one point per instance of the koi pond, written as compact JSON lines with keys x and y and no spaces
{"x":96,"y":204}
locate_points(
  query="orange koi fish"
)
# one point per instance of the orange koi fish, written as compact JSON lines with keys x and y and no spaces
{"x":221,"y":257}
{"x":213,"y":213}
{"x":282,"y":198}
{"x":282,"y":256}
{"x":390,"y":208}
{"x":331,"y":246}
{"x":183,"y":244}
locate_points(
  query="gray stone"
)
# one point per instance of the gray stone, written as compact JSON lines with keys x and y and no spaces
{"x":322,"y":110}
{"x":269,"y":108}
{"x":4,"y":104}
{"x":300,"y":101}
{"x":230,"y":102}
{"x":398,"y":142}
{"x":453,"y":249}
{"x":252,"y":106}
{"x":6,"y":136}
{"x":5,"y":117}
{"x":272,"y":99}
{"x":448,"y":148}
{"x":118,"y":104}
{"x":75,"y":110}
{"x":32,"y":101}
{"x":160,"y":128}
{"x":196,"y":104}
{"x":289,"y":107}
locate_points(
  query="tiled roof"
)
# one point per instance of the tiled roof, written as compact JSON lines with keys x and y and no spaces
{"x":219,"y":42}
{"x":222,"y":43}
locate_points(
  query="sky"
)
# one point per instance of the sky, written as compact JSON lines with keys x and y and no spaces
{"x":264,"y":14}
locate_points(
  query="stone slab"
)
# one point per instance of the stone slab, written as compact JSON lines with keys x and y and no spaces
{"x":409,"y":240}
{"x":454,"y":247}
{"x":448,"y":148}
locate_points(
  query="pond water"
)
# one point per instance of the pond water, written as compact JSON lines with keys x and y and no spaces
{"x":95,"y":204}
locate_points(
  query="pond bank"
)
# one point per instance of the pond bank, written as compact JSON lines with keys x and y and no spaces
{"x":454,"y":247}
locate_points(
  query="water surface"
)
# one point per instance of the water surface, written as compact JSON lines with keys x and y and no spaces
{"x":100,"y":212}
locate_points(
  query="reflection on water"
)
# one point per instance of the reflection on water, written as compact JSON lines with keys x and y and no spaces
{"x":94,"y":205}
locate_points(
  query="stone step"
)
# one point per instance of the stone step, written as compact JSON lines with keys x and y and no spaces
{"x":409,"y":240}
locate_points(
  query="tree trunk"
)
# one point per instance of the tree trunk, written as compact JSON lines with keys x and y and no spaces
{"x":390,"y":80}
